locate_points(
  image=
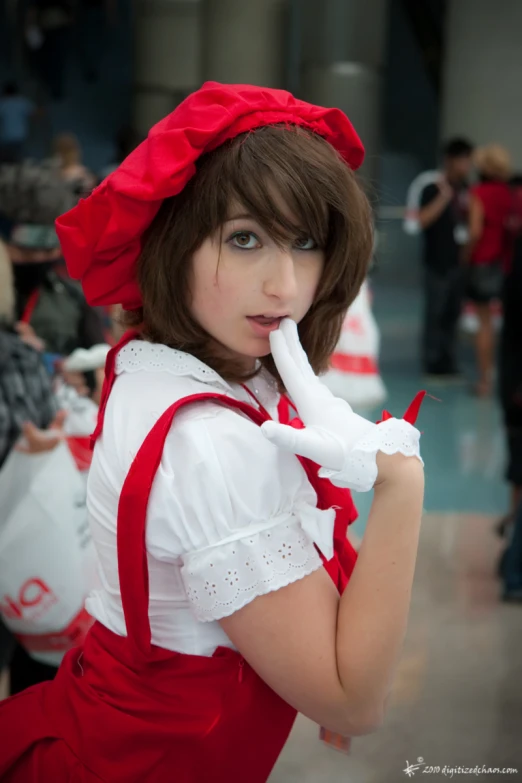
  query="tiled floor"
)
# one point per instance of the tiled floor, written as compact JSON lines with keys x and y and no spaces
{"x":457,"y":698}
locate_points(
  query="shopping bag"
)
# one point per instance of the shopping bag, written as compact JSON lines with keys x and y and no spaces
{"x":47,"y":559}
{"x":82,"y":414}
{"x":354,"y":373}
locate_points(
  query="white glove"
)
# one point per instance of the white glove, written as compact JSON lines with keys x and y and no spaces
{"x":342,"y":442}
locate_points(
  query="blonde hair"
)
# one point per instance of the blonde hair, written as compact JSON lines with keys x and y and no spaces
{"x":493,"y":161}
{"x":7,"y":293}
{"x":67,"y":147}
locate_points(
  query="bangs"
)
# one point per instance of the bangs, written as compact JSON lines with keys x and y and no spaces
{"x":277,"y":174}
{"x":294,"y":184}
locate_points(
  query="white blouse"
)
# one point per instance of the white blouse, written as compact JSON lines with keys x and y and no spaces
{"x":231,"y":517}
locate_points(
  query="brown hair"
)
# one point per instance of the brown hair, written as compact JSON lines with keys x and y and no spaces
{"x":258,"y":171}
{"x":67,"y":147}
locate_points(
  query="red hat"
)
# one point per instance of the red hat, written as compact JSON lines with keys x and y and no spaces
{"x":101,"y":236}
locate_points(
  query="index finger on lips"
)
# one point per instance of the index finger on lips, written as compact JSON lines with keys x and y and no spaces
{"x":290,"y":372}
{"x":297,"y":351}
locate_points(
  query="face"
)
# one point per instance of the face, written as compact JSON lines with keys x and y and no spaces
{"x":243,"y":283}
{"x":459,"y":169}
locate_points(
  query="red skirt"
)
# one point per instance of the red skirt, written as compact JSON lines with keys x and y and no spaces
{"x":188,"y":719}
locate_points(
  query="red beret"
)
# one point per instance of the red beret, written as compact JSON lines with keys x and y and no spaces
{"x":101,"y":236}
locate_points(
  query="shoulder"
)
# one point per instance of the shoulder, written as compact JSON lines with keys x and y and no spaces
{"x":17,"y":353}
{"x":428,"y":193}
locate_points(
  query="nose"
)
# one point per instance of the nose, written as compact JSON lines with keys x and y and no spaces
{"x":281,"y":281}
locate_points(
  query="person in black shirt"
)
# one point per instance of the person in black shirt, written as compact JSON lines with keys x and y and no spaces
{"x":510,"y":392}
{"x":443,"y":218}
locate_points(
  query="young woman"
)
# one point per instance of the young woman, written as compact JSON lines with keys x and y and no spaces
{"x":489,"y":250}
{"x":236,"y":236}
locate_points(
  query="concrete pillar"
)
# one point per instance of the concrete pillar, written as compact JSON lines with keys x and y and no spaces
{"x":483,"y":73}
{"x":342,"y":54}
{"x":167,"y":54}
{"x":243,"y":41}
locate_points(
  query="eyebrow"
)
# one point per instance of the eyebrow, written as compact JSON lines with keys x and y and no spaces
{"x":242,"y":216}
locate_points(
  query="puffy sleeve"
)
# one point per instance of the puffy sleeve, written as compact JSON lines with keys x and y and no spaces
{"x":237,"y":513}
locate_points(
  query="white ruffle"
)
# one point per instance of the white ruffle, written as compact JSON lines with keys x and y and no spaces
{"x":359,"y":472}
{"x":139,"y":355}
{"x":221,"y":580}
{"x":142,"y":356}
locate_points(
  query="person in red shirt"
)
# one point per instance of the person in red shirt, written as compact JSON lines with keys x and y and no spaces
{"x":489,"y":250}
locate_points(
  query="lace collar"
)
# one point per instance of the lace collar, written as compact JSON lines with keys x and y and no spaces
{"x":141,"y":356}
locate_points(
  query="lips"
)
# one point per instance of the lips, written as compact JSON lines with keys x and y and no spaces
{"x":266,"y":320}
{"x":262,"y":325}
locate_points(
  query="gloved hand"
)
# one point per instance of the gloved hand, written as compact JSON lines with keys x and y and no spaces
{"x":342,"y":442}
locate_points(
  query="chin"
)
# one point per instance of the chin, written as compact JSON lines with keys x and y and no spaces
{"x":256,"y":348}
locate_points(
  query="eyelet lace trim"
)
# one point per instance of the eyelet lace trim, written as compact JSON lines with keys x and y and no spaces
{"x":139,"y":355}
{"x":359,"y":472}
{"x":221,"y":580}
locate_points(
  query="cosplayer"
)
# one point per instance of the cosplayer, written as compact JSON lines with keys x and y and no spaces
{"x":235,"y":237}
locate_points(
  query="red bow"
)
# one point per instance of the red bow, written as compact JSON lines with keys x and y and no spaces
{"x":413,"y":410}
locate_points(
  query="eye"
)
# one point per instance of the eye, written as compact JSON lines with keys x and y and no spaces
{"x":245,"y":240}
{"x":305,"y":243}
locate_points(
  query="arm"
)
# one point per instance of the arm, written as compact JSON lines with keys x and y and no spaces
{"x":334,"y":659}
{"x":435,"y":200}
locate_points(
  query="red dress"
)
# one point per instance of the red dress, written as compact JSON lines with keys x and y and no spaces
{"x":122,"y":710}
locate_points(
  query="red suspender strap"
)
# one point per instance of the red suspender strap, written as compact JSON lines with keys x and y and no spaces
{"x":132,"y":515}
{"x":29,"y":308}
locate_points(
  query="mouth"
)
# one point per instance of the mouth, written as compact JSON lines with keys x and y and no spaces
{"x":262,"y":325}
{"x":267,"y":319}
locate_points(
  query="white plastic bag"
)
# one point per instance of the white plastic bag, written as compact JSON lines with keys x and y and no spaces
{"x":354,"y":373}
{"x":82,"y":414}
{"x":47,"y":559}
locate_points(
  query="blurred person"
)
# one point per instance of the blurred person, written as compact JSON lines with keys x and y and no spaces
{"x":510,"y":358}
{"x":443,"y":218}
{"x":68,"y":152}
{"x":54,"y":20}
{"x":27,"y":407}
{"x":94,"y":18}
{"x":16,"y":112}
{"x":51,"y":307}
{"x":511,"y":562}
{"x":488,"y":252}
{"x":25,"y":388}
